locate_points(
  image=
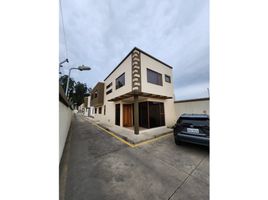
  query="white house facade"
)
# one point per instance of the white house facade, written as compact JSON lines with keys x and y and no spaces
{"x":137,"y":94}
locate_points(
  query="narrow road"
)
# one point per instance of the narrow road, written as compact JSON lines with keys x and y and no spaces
{"x":98,"y":166}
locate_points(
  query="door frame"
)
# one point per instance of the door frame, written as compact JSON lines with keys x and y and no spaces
{"x":130,"y":114}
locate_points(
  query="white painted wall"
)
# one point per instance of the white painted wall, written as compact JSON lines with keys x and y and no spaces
{"x":109,"y":117}
{"x":192,"y":107}
{"x":65,"y":117}
{"x":167,"y":88}
{"x":89,"y":108}
{"x":126,"y":68}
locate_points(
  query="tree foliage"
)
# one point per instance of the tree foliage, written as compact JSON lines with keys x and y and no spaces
{"x":80,"y":91}
{"x":76,"y":90}
{"x":63,"y":82}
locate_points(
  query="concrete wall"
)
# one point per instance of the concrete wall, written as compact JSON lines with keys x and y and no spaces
{"x":189,"y":107}
{"x":65,"y":117}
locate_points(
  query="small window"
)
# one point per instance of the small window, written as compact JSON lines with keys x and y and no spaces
{"x":167,"y":78}
{"x":120,"y":81}
{"x":109,"y":91}
{"x":96,"y":94}
{"x":154,"y":77}
{"x":99,"y":110}
{"x":104,"y":110}
{"x":110,"y":84}
{"x":95,"y":110}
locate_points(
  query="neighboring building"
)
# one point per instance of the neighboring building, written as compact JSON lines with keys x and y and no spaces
{"x":89,"y":109}
{"x":138,"y":93}
{"x":192,"y":106}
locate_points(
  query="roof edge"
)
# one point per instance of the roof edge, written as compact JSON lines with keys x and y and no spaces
{"x":136,"y":48}
{"x":188,"y":100}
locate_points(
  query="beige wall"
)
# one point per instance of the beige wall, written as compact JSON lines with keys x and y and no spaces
{"x":125,"y":67}
{"x":167,"y":88}
{"x":65,"y":117}
{"x":192,"y":107}
{"x":109,"y":117}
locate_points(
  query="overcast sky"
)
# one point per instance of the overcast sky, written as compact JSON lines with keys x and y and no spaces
{"x":100,"y":33}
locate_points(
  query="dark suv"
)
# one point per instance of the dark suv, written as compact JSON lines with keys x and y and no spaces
{"x":192,"y":128}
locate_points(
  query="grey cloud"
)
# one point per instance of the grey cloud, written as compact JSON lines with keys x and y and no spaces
{"x":101,"y":33}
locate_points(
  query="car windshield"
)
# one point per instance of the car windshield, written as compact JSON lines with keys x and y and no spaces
{"x":195,"y":122}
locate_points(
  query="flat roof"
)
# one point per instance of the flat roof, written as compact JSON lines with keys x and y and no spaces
{"x":135,"y":48}
{"x":185,"y":115}
{"x":188,"y":100}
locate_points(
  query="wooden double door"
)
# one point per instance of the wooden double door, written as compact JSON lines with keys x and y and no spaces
{"x":127,"y":115}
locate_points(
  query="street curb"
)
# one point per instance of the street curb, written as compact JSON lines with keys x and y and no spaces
{"x":133,"y":142}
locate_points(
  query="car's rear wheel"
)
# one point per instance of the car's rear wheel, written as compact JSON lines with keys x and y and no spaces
{"x":177,"y":142}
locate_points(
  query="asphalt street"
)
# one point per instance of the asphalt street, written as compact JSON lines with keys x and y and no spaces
{"x":96,"y":165}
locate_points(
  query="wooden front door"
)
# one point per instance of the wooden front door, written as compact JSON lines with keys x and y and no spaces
{"x":127,"y":115}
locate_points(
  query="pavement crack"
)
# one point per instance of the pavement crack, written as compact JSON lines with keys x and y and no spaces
{"x":104,"y":154}
{"x":186,"y":178}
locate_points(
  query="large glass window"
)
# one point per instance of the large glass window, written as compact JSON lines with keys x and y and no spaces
{"x":154,"y":77}
{"x":151,"y":114}
{"x":120,"y":81}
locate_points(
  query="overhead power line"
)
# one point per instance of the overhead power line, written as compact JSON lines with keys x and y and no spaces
{"x":64,"y":34}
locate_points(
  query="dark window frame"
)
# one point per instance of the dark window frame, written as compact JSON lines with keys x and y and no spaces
{"x":110,"y":84}
{"x":109,"y":91}
{"x":117,"y":86}
{"x":159,"y":78}
{"x":96,"y":94}
{"x":167,"y":77}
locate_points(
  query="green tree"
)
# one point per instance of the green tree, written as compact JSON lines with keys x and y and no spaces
{"x":63,"y":82}
{"x":79,"y":94}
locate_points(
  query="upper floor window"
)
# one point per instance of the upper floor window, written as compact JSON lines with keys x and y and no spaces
{"x":109,"y":91}
{"x":120,"y":81}
{"x":154,"y":77}
{"x":110,"y":84}
{"x":167,"y":78}
{"x":96,"y":94}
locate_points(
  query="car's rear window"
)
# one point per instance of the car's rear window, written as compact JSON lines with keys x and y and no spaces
{"x":193,"y":121}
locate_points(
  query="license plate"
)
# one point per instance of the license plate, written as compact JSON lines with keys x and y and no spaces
{"x":192,"y":130}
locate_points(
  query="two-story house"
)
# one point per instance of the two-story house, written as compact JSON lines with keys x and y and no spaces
{"x":137,"y":94}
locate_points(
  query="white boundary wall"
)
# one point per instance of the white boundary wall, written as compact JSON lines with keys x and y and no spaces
{"x":192,"y":107}
{"x":65,"y":118}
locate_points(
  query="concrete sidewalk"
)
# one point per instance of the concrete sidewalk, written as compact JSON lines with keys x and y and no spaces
{"x":128,"y":135}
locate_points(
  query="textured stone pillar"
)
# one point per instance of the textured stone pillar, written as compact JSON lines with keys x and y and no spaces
{"x":136,"y":71}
